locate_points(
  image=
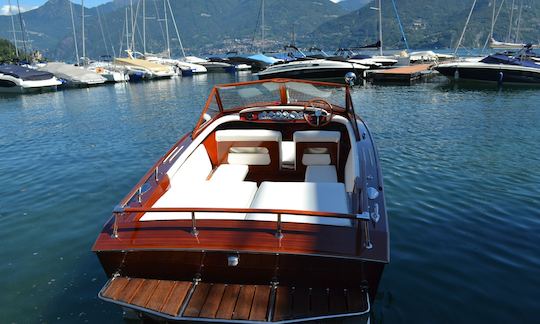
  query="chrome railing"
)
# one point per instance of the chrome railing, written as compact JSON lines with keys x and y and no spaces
{"x":120,"y":211}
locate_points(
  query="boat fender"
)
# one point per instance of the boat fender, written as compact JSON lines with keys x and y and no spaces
{"x":456,"y":74}
{"x":501,"y":77}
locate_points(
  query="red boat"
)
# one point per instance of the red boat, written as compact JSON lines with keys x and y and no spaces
{"x":271,"y":210}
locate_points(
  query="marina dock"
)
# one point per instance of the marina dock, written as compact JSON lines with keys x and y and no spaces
{"x":405,"y":74}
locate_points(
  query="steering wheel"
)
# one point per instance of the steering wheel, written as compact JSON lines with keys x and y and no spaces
{"x":315,"y":115}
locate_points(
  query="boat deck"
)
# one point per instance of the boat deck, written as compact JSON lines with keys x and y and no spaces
{"x":185,"y":300}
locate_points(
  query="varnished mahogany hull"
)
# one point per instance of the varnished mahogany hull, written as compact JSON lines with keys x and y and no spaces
{"x":253,"y":268}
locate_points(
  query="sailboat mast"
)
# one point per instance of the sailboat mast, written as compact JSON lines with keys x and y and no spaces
{"x":144,"y":25}
{"x":167,"y":28}
{"x":82,"y":32}
{"x":132,"y":47}
{"x":518,"y":22}
{"x":22,"y":26}
{"x":127,"y":31}
{"x":262,"y":26}
{"x":74,"y":32}
{"x":465,"y":28}
{"x":494,"y":4}
{"x":176,"y":29}
{"x":13,"y":29}
{"x":511,"y":21}
{"x":380,"y":28}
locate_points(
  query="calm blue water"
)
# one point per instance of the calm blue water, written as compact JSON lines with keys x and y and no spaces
{"x":461,"y":170}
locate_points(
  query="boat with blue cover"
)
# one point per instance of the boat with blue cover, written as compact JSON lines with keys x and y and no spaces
{"x":21,"y":79}
{"x":519,"y":68}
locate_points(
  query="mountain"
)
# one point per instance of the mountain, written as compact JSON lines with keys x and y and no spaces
{"x":429,"y":24}
{"x":203,"y":25}
{"x":353,"y":5}
{"x":212,"y":26}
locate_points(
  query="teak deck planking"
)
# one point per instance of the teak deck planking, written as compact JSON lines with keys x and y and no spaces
{"x":231,"y":301}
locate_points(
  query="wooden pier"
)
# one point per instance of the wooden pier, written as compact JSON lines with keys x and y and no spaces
{"x":405,"y":74}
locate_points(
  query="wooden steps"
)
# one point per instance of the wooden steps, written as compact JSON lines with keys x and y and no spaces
{"x":182,"y":300}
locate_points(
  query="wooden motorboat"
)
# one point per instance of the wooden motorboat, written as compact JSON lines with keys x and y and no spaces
{"x":271,"y":210}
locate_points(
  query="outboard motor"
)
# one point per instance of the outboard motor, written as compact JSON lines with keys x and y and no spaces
{"x":350,"y":79}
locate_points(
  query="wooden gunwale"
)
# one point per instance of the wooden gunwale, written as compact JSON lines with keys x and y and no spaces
{"x":254,"y":237}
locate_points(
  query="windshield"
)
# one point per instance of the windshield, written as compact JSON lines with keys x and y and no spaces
{"x":270,"y":93}
{"x":278,"y":92}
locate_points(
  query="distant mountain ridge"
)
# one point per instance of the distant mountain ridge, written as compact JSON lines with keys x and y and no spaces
{"x":429,"y":24}
{"x":203,"y":25}
{"x":211,"y":25}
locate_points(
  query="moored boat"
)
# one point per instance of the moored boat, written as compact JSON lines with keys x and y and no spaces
{"x":73,"y":76}
{"x":500,"y":68}
{"x":20,"y":79}
{"x":313,"y":69}
{"x":148,"y":69}
{"x":271,"y":210}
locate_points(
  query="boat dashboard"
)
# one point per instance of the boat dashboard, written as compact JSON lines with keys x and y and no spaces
{"x":273,"y":114}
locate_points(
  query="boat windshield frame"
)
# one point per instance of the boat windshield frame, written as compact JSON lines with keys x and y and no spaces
{"x":231,"y":98}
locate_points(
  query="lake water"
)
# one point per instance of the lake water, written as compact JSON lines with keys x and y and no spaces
{"x":461,"y":169}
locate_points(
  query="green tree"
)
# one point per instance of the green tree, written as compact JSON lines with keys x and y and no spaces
{"x":7,"y":51}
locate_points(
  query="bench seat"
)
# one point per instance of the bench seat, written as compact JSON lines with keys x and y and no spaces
{"x":323,"y":197}
{"x":210,"y":194}
{"x":230,"y":172}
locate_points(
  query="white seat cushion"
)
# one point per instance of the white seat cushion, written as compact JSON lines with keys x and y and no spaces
{"x":247,"y":135}
{"x":316,"y":159}
{"x":230,"y":172}
{"x":212,"y":194}
{"x":321,"y":173}
{"x":324,"y":197}
{"x":196,"y":168}
{"x":288,"y":152}
{"x":316,"y":136}
{"x":249,"y":158}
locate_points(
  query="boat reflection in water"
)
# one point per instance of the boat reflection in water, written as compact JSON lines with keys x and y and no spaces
{"x":271,"y":210}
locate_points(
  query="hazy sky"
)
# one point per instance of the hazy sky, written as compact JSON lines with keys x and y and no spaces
{"x":31,"y":4}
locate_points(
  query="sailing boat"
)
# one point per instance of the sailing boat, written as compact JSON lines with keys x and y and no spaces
{"x":185,"y":67}
{"x":75,"y":76}
{"x":141,"y":68}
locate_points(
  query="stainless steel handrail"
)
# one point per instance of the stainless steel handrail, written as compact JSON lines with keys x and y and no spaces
{"x":119,"y":211}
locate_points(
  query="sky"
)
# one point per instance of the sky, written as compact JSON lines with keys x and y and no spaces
{"x":31,"y":4}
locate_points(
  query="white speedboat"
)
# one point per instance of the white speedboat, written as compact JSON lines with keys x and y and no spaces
{"x":73,"y":76}
{"x":20,"y":79}
{"x":499,"y":68}
{"x":429,"y":56}
{"x":318,"y":69}
{"x":112,"y":73}
{"x":181,"y":67}
{"x":271,"y":210}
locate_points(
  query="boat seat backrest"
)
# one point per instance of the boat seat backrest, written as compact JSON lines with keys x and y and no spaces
{"x":316,"y":147}
{"x":253,"y":147}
